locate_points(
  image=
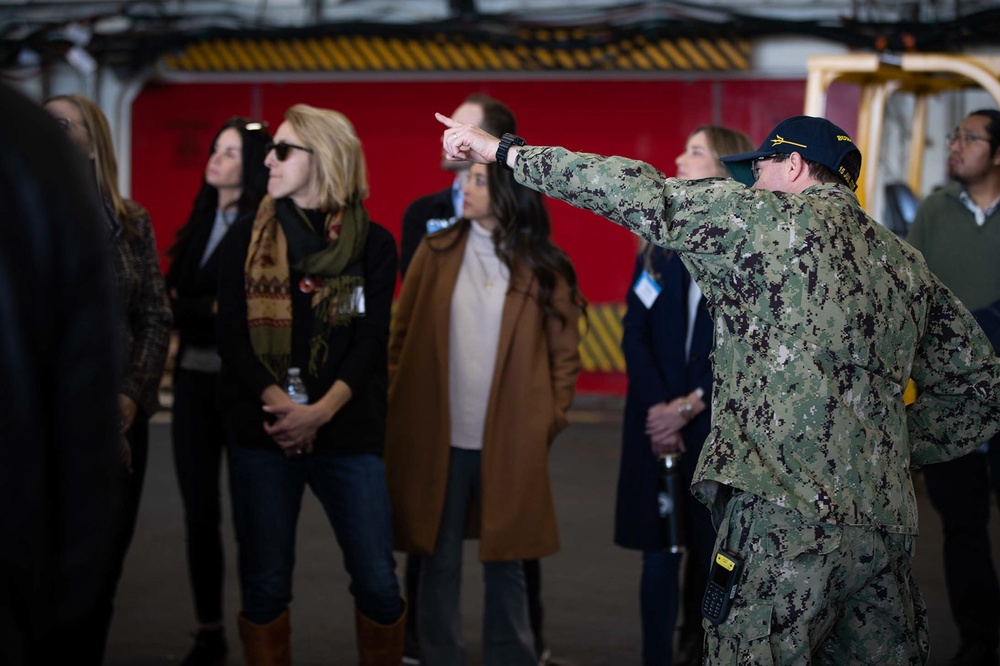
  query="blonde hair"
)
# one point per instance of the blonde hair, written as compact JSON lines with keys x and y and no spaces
{"x":105,"y":162}
{"x":339,"y":162}
{"x":723,"y":141}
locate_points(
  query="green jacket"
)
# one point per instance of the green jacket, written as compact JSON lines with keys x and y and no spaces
{"x":822,"y":315}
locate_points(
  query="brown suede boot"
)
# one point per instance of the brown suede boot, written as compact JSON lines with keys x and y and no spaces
{"x":380,"y":644}
{"x":266,"y":644}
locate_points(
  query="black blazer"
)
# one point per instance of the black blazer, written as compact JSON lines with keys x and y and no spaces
{"x":357,"y":352}
{"x":196,"y":286}
{"x":653,"y":343}
{"x":437,"y":206}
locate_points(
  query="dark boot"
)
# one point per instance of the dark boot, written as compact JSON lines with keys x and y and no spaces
{"x":209,"y":649}
{"x":266,"y":644}
{"x":380,"y":644}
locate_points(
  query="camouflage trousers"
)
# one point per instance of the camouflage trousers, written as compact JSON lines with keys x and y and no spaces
{"x":816,"y":593}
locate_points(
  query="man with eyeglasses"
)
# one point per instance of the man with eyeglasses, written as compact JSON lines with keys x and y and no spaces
{"x":437,"y":211}
{"x":958,"y":231}
{"x":822,"y":315}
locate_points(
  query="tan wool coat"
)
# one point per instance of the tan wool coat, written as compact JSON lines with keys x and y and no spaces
{"x":533,"y":384}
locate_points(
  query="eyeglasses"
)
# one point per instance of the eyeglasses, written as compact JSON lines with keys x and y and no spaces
{"x":755,"y":165}
{"x":964,"y":138}
{"x":282,"y":147}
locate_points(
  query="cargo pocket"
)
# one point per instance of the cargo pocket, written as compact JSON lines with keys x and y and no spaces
{"x":744,"y":638}
{"x":789,"y":543}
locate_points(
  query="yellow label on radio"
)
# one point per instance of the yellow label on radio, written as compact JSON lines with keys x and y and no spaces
{"x":724,"y":561}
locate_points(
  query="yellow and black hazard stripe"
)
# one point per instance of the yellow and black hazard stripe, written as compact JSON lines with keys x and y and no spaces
{"x":541,"y":50}
{"x":601,"y":338}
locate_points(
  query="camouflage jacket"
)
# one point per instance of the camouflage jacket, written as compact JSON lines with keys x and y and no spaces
{"x":821,"y":316}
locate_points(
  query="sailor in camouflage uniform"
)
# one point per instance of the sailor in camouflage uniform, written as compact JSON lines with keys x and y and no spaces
{"x":821,"y":316}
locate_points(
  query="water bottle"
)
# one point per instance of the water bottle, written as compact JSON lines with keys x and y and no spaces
{"x":295,"y":388}
{"x":671,"y":519}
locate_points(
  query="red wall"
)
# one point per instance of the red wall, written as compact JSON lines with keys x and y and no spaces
{"x":649,"y":120}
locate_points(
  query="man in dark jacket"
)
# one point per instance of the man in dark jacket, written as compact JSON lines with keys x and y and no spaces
{"x":439,"y":210}
{"x":58,"y":398}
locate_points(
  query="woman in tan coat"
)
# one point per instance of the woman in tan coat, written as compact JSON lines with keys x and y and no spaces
{"x":483,"y":361}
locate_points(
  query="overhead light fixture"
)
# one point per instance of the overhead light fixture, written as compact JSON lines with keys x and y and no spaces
{"x":28,"y":57}
{"x":77,"y":33}
{"x":79,"y":58}
{"x":112,"y":25}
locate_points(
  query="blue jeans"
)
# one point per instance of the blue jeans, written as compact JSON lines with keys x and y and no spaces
{"x":507,"y":639}
{"x":267,"y":491}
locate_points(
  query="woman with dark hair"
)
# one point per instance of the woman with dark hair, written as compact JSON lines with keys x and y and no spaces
{"x":667,"y":341}
{"x":483,"y":363}
{"x":234,"y":182}
{"x":143,"y":323}
{"x":306,"y":289}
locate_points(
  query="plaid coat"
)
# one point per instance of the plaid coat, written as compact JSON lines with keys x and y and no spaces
{"x":144,"y":321}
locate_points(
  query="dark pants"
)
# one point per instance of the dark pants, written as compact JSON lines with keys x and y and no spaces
{"x":661,"y":595}
{"x":198,"y":441}
{"x":532,"y":581}
{"x":960,"y":492}
{"x":506,"y":633}
{"x":267,"y":491}
{"x":658,"y":595}
{"x":125,"y":519}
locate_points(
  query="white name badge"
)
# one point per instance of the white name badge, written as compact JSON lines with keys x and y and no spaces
{"x":359,"y":300}
{"x":646,"y":289}
{"x":439,"y":224}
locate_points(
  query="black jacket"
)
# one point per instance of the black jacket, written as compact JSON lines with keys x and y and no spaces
{"x":58,"y":398}
{"x":437,"y":206}
{"x":193,"y":287}
{"x":357,"y":352}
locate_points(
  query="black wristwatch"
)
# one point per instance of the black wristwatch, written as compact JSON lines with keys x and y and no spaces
{"x":506,"y":142}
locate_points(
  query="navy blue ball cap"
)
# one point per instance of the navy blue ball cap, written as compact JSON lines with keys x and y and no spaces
{"x":816,"y":139}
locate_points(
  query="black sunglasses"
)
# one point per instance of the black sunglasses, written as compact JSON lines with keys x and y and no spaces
{"x":282,"y":147}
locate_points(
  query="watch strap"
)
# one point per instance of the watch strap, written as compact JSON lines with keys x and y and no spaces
{"x":506,"y":141}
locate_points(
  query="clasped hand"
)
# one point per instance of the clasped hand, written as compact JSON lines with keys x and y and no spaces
{"x":295,"y":426}
{"x":664,"y":422}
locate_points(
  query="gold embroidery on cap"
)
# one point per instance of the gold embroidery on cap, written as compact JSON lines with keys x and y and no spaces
{"x":780,"y":140}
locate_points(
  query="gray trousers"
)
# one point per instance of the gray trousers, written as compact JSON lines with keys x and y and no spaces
{"x":507,"y":639}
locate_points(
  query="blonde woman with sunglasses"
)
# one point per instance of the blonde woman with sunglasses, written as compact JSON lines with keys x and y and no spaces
{"x":308,"y":284}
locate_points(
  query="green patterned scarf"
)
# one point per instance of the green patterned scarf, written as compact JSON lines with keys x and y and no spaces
{"x":282,"y":239}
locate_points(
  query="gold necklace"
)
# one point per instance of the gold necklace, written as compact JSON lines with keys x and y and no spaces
{"x":488,"y":281}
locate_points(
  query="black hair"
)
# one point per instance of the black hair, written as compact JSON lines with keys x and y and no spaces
{"x":824,"y":174}
{"x":255,"y":139}
{"x":992,"y":126}
{"x":524,"y":234}
{"x":498,"y":119}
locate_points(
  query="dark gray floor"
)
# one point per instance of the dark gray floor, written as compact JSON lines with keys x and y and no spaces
{"x":590,"y":587}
